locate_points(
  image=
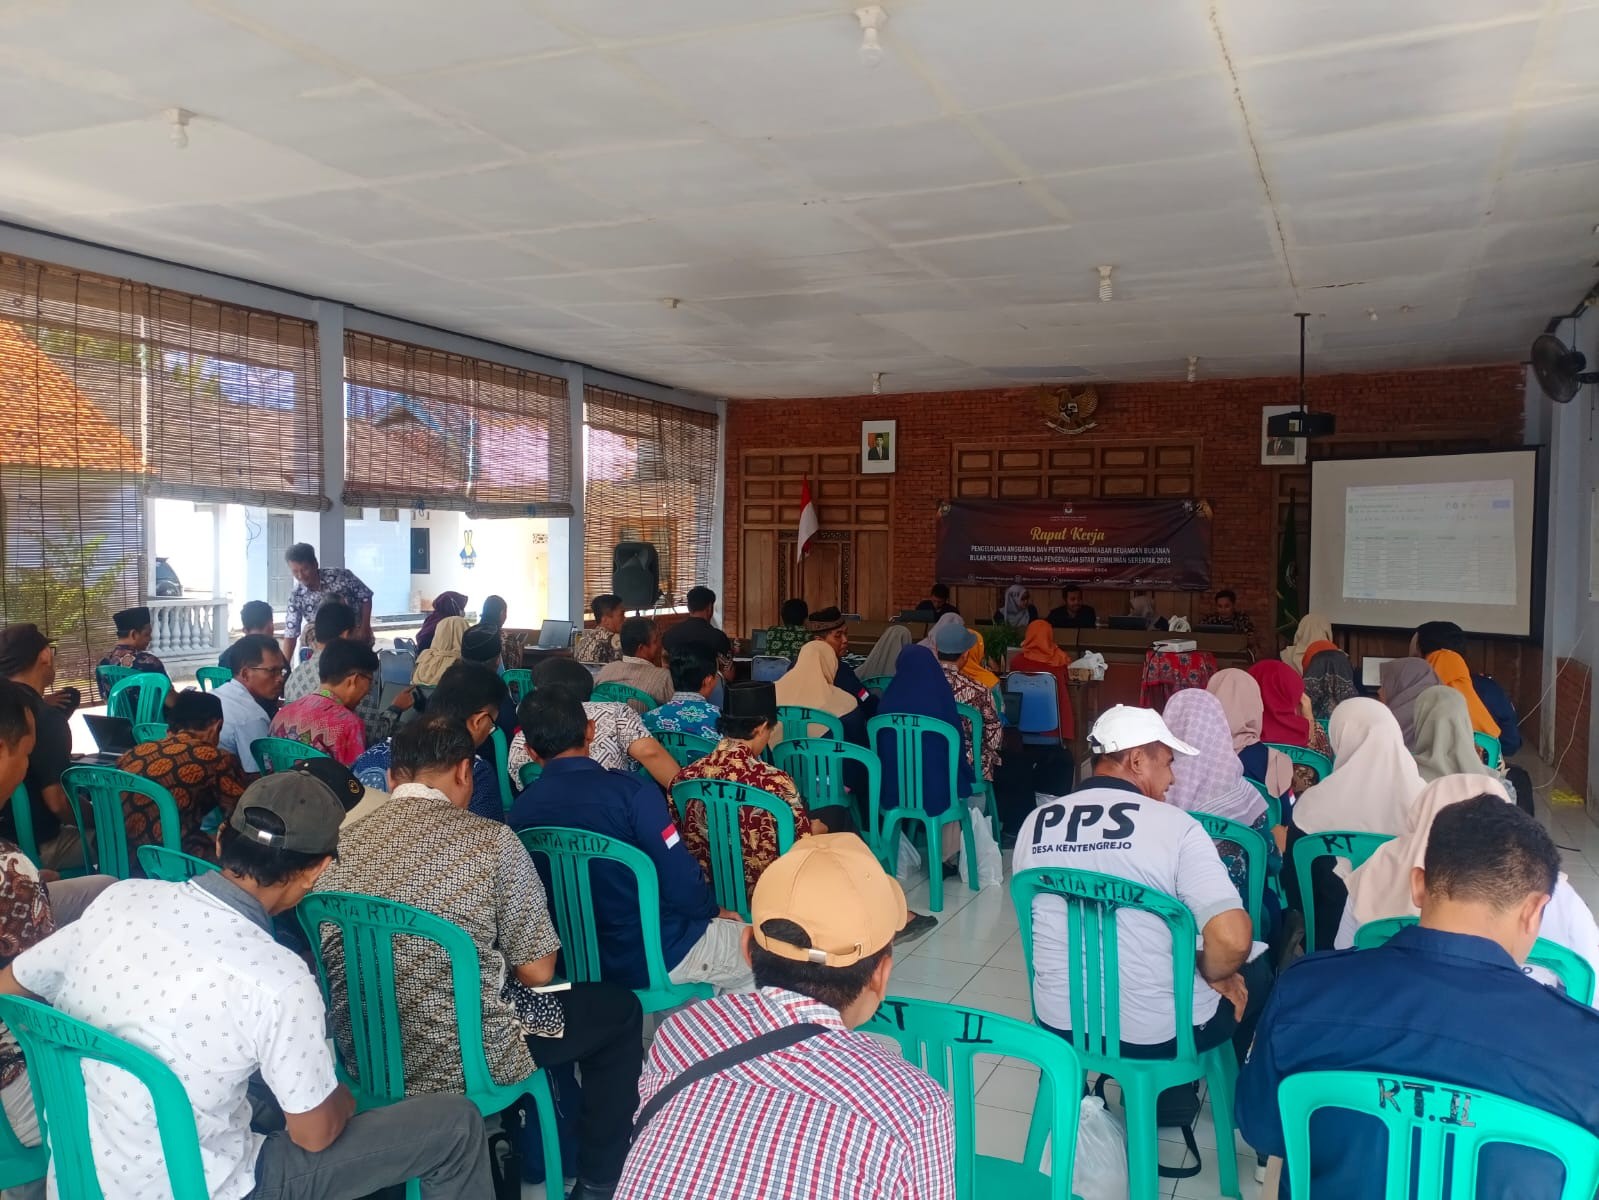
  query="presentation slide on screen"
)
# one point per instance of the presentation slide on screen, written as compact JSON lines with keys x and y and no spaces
{"x":1398,"y":541}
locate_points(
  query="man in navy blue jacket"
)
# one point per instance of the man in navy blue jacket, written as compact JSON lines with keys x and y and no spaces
{"x":1444,"y":1001}
{"x":700,"y":942}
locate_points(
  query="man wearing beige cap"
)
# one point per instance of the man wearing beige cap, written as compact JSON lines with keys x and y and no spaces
{"x":770,"y":1092}
{"x":1116,"y":823}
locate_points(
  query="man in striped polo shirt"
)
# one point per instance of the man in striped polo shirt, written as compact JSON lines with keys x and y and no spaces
{"x":771,"y":1092}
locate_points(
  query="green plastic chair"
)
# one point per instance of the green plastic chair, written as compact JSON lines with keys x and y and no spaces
{"x":529,"y":772}
{"x":1574,"y":972}
{"x":211,"y":678}
{"x":944,"y":1040}
{"x":150,"y":731}
{"x":28,"y":841}
{"x":685,"y":748}
{"x":1492,"y":753}
{"x":621,"y":693}
{"x":1257,"y":860}
{"x":1092,"y":902}
{"x":984,"y":788}
{"x":1306,"y":757}
{"x":108,"y":677}
{"x":174,"y":866}
{"x":275,"y":754}
{"x":1433,"y":1128}
{"x":877,"y":684}
{"x":908,"y":734}
{"x":105,"y":787}
{"x":573,"y":855}
{"x":519,"y":682}
{"x":366,"y":927}
{"x":56,"y":1047}
{"x":724,"y":802}
{"x":1274,"y":806}
{"x":817,"y":767}
{"x":21,"y":1164}
{"x":502,"y":768}
{"x":796,"y":721}
{"x":139,"y":697}
{"x":1355,"y":845}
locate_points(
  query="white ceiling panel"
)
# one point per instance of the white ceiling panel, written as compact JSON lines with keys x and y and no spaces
{"x":516,"y":197}
{"x":954,"y":213}
{"x":1171,"y":188}
{"x":867,"y":162}
{"x":1387,"y":84}
{"x":1269,"y":28}
{"x":384,"y":38}
{"x":551,"y":173}
{"x":997,"y":54}
{"x":787,"y":79}
{"x":678,"y":175}
{"x":1194,"y":115}
{"x":577,"y":102}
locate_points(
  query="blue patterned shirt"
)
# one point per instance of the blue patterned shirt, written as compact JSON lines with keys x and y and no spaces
{"x":686,"y":712}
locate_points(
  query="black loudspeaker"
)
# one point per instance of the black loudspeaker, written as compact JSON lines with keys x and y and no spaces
{"x":636,"y":574}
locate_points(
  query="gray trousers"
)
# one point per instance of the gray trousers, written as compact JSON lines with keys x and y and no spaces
{"x":438,"y":1139}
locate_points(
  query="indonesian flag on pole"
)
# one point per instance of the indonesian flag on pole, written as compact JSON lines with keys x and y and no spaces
{"x":808,"y":524}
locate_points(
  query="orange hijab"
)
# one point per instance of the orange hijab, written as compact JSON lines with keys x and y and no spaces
{"x":1316,"y":648}
{"x":1038,"y":645}
{"x":1452,"y":672}
{"x":972,"y":665}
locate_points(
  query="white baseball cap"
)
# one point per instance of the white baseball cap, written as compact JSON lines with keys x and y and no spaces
{"x":1123,"y":727}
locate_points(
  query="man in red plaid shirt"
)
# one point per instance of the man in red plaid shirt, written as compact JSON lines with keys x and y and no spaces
{"x":796,"y":1104}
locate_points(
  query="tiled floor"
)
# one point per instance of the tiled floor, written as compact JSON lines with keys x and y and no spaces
{"x":974,"y":958}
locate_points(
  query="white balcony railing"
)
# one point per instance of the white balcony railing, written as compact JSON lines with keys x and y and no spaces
{"x":189,"y":627}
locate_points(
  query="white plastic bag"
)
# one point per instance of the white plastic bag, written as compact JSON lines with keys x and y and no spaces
{"x":1100,"y":1169}
{"x":990,"y":867}
{"x":1092,"y":661}
{"x":910,"y":859}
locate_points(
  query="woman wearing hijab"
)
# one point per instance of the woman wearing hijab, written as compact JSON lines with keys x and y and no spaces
{"x":1329,"y":679}
{"x":1041,"y":654}
{"x":1403,"y":681}
{"x":920,"y":689}
{"x":1313,"y":627}
{"x":1452,"y":672}
{"x":1287,"y":719}
{"x":975,"y":665}
{"x":1380,"y":887}
{"x":943,"y":622}
{"x":885,"y":653}
{"x":448,"y":604}
{"x":809,"y":683}
{"x":1240,"y":697}
{"x":1372,"y":789}
{"x":1212,"y":781}
{"x":491,"y":621}
{"x":1018,"y":608}
{"x":1444,"y":744}
{"x":442,"y":654}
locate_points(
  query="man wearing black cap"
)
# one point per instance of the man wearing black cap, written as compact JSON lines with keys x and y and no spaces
{"x":135,"y":632}
{"x":28,"y":657}
{"x":190,"y":973}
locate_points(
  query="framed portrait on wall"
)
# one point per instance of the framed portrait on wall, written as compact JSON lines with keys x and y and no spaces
{"x":1279,"y":451}
{"x":879,"y":447}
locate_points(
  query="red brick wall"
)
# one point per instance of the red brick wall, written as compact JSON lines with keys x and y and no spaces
{"x":1573,"y":703}
{"x":1478,"y":402}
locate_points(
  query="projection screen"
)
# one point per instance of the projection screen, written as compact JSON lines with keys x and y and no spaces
{"x":1398,"y":541}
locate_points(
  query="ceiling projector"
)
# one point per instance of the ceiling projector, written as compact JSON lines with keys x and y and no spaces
{"x":1301,"y":424}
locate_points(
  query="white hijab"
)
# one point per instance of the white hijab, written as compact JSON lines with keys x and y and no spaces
{"x":1374,"y":781}
{"x":1313,"y":627}
{"x":1380,"y":887}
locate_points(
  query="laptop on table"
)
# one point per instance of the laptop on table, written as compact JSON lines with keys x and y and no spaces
{"x":555,"y":635}
{"x":113,"y":737}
